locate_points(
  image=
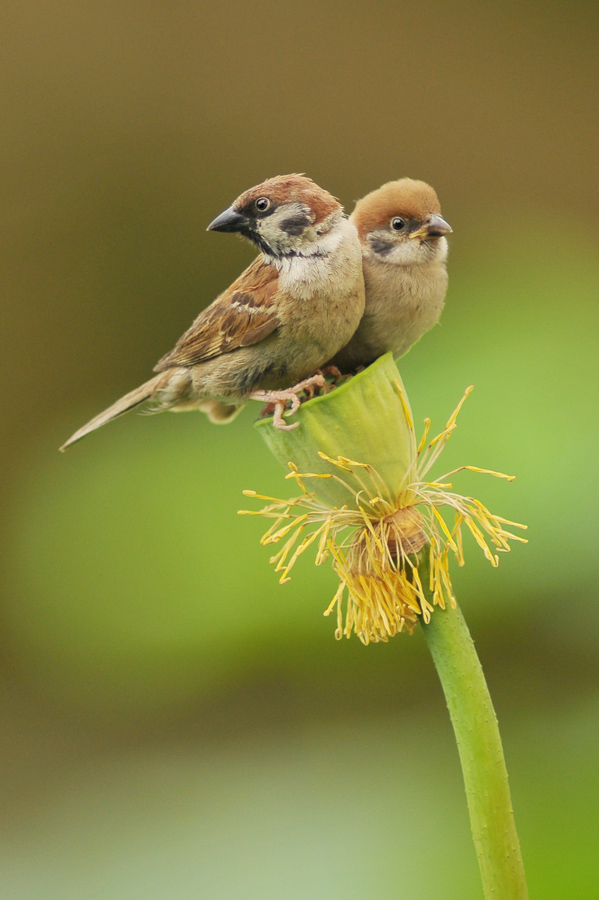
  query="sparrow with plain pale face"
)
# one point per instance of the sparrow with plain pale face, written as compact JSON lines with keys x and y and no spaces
{"x":292,"y":309}
{"x":404,"y":252}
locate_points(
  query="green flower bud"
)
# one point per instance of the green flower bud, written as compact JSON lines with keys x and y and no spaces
{"x":366,"y":419}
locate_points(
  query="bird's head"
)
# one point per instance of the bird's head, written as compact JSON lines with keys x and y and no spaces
{"x":400,"y":224}
{"x":285,"y":216}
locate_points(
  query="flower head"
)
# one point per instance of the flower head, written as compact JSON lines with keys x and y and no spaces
{"x":389,"y":542}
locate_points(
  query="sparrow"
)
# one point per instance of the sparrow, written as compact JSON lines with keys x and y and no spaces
{"x":263,"y":338}
{"x":404,"y":253}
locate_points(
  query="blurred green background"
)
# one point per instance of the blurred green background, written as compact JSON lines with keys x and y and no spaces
{"x":174,"y":723}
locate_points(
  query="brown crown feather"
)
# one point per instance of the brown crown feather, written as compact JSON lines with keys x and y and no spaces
{"x":413,"y":200}
{"x":289,"y":189}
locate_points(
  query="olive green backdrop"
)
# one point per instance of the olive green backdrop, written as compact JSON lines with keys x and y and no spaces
{"x":175,"y":724}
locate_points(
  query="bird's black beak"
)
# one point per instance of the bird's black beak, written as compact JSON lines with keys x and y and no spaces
{"x":434,"y":227}
{"x":230,"y":220}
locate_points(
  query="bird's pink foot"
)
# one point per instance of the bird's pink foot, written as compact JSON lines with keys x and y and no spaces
{"x":309,"y":384}
{"x":332,"y":370}
{"x":277,"y":400}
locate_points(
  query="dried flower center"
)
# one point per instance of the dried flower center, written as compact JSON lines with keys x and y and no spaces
{"x":406,"y":532}
{"x":387,"y":542}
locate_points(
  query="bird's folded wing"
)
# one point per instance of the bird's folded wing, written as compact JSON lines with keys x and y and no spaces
{"x":244,"y":314}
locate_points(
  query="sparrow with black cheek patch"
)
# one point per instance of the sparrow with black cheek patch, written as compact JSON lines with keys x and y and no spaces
{"x":291,"y":310}
{"x":404,"y":253}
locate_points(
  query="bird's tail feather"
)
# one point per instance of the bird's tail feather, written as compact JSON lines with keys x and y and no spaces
{"x":129,"y":401}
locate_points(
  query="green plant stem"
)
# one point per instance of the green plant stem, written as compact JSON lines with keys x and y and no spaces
{"x":481,"y":754}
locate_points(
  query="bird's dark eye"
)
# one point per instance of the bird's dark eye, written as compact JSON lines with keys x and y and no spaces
{"x":262,"y":204}
{"x":397,"y":224}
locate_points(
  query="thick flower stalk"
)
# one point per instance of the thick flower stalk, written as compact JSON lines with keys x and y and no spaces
{"x":376,"y":514}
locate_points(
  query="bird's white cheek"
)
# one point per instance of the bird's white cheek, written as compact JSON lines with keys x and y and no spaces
{"x":406,"y":253}
{"x":417,"y":253}
{"x":269,"y":232}
{"x":287,"y":228}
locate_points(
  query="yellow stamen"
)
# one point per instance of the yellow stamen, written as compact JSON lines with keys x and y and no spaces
{"x":405,"y":405}
{"x":422,"y":444}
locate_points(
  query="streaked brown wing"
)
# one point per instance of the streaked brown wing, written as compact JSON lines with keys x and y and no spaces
{"x":244,"y":314}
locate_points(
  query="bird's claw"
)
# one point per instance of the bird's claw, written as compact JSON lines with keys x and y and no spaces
{"x":309,"y":384}
{"x":332,"y":370}
{"x":277,"y":400}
